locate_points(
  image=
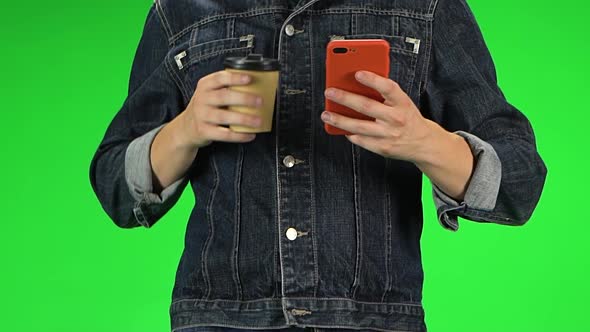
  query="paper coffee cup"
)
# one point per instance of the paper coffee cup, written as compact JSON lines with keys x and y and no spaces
{"x":265,"y":79}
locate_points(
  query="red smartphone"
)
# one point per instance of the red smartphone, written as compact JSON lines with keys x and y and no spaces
{"x":343,"y":59}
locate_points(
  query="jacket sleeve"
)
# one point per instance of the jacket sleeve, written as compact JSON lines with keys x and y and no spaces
{"x":120,"y":171}
{"x":462,"y":95}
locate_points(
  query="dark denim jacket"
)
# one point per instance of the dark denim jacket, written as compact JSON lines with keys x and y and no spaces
{"x":298,"y":227}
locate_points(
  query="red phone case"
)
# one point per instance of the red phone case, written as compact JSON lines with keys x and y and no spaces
{"x":363,"y":54}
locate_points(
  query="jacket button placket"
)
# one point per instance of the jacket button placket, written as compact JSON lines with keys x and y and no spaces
{"x":293,"y":127}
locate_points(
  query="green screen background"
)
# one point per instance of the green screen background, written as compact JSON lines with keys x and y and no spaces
{"x":66,"y":267}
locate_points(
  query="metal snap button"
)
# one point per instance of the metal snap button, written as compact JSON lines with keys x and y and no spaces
{"x":289,"y":161}
{"x":291,"y":233}
{"x":289,"y":30}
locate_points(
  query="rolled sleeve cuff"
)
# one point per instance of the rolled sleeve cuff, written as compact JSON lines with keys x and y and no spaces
{"x":138,"y":171}
{"x":482,"y":190}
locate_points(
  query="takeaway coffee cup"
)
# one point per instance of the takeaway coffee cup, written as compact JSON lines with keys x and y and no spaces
{"x":265,"y":79}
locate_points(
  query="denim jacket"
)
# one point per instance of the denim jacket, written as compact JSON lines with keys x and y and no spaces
{"x":300,"y":228}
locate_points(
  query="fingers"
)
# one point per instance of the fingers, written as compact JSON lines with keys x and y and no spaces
{"x":223,"y":134}
{"x":355,"y":126}
{"x":218,"y":116}
{"x":223,"y":78}
{"x":389,"y":89}
{"x":358,"y":103}
{"x":206,"y":116}
{"x":226,"y":97}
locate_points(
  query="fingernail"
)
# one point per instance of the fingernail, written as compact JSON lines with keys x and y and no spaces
{"x":245,"y":78}
{"x":258,"y":101}
{"x":360,"y":75}
{"x":326,"y":116}
{"x":330,"y":93}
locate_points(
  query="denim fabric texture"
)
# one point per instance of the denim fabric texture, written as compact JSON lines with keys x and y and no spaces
{"x":286,"y":329}
{"x":356,"y":260}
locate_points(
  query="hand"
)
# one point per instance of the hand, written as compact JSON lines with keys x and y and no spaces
{"x":399,"y":130}
{"x":204,"y":114}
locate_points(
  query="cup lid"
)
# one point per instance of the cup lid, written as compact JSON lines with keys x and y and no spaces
{"x":252,"y":62}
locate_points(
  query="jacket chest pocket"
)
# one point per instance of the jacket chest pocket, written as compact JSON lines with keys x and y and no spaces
{"x":198,"y":59}
{"x":407,"y":36}
{"x":403,"y":57}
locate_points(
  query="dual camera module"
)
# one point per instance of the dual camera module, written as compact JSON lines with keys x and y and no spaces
{"x":342,"y":50}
